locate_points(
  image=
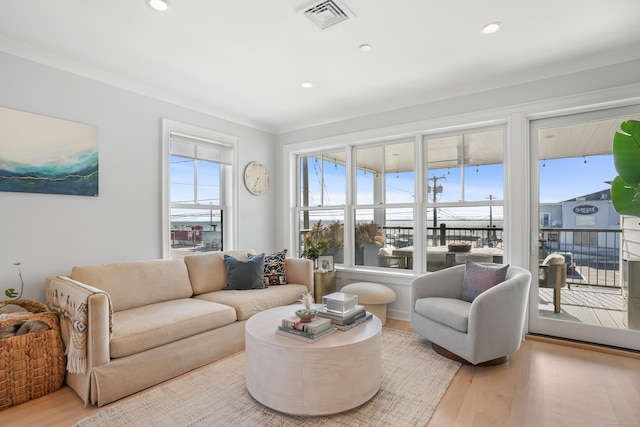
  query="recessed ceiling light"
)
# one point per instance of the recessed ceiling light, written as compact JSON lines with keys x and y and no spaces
{"x":160,"y":5}
{"x":491,"y":28}
{"x":365,"y":47}
{"x":306,"y":85}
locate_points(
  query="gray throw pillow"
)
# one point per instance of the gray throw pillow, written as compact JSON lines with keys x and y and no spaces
{"x":478,"y":278}
{"x":244,"y":274}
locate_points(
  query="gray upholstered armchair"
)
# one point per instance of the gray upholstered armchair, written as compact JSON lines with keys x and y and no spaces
{"x":487,"y":329}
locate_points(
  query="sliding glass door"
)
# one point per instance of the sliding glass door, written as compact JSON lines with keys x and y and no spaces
{"x":580,"y":266}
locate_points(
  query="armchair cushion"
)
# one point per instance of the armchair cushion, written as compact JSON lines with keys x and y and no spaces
{"x":478,"y":278}
{"x":450,"y":312}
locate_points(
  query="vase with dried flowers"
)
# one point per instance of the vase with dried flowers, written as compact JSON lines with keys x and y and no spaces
{"x":369,"y":234}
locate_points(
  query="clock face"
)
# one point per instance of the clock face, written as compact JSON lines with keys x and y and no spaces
{"x":256,"y":178}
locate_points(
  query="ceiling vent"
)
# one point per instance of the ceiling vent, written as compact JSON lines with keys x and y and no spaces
{"x":327,"y":13}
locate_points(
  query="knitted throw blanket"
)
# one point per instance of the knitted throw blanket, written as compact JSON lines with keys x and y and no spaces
{"x":70,"y":302}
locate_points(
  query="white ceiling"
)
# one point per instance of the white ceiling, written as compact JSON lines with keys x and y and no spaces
{"x":243,"y":60}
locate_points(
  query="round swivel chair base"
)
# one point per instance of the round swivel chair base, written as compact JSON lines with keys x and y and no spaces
{"x":446,"y":353}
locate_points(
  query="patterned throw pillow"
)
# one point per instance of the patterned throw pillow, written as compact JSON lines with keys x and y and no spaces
{"x":478,"y":278}
{"x":274,"y":271}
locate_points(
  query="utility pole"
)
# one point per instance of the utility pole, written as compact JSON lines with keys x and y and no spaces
{"x":435,"y":189}
{"x":490,"y":212}
{"x":492,"y":232}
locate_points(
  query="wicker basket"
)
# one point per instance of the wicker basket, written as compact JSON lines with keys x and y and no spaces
{"x":33,"y":364}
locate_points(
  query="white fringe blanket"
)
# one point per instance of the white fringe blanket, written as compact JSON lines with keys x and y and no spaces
{"x":71,"y":304}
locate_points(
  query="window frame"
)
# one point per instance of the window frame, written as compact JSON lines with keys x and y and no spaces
{"x":375,"y":138}
{"x":228,"y":182}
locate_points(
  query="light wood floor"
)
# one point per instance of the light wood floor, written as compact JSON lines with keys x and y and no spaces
{"x":543,"y":384}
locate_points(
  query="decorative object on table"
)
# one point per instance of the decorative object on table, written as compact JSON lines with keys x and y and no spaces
{"x":307,"y":300}
{"x":459,"y":247}
{"x":315,"y":326}
{"x":340,"y":302}
{"x":55,"y":156}
{"x":325,"y":263}
{"x":306,"y":314}
{"x":354,"y":323}
{"x":35,"y":358}
{"x":303,"y":336}
{"x":343,"y":318}
{"x":256,"y":178}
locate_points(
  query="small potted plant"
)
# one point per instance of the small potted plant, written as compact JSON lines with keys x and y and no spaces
{"x":11,"y":293}
{"x":314,"y":243}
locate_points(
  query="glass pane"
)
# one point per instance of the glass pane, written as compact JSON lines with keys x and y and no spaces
{"x":208,"y":191}
{"x":335,"y":178}
{"x":310,"y":181}
{"x":484,"y":171}
{"x":324,"y":231}
{"x":195,"y":230}
{"x":380,"y":234}
{"x":368,"y":175}
{"x":181,"y":177}
{"x":399,"y":169}
{"x":444,"y":173}
{"x":478,"y":226}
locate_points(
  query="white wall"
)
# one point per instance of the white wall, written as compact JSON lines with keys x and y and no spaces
{"x":49,"y":234}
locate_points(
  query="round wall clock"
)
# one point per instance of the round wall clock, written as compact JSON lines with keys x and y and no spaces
{"x":256,"y":178}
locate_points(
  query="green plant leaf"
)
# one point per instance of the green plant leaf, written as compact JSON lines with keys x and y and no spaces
{"x":626,"y":152}
{"x":11,"y":293}
{"x":625,"y":198}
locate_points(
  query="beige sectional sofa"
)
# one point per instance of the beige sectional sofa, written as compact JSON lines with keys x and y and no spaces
{"x":128,"y":326}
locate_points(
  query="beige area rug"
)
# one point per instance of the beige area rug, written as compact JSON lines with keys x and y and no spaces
{"x":414,"y":380}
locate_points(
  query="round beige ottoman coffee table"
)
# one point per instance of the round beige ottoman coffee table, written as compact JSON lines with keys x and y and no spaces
{"x":373,"y":296}
{"x":338,"y":372}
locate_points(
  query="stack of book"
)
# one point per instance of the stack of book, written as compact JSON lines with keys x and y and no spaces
{"x":312,"y":331}
{"x":343,"y":321}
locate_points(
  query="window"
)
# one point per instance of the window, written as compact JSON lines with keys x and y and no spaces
{"x":199,"y":180}
{"x":385,"y":196}
{"x":461,"y":198}
{"x":464,"y":193}
{"x":322,"y":197}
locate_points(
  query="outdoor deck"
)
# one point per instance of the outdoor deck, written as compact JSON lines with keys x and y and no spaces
{"x":584,"y":303}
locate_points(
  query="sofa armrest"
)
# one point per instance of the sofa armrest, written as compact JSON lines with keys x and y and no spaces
{"x":300,"y":272}
{"x":85,"y":321}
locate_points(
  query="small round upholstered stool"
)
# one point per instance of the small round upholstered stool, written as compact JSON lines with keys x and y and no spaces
{"x":373,"y":296}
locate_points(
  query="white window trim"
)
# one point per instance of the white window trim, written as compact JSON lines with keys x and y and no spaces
{"x":231,"y":191}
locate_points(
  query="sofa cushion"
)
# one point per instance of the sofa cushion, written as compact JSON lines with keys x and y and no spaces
{"x":450,"y":312}
{"x":139,"y":329}
{"x":207,"y":272}
{"x":138,"y":283}
{"x":244,"y":274}
{"x":478,"y":278}
{"x":274,"y":268}
{"x":252,"y":301}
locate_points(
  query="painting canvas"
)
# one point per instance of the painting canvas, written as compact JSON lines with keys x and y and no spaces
{"x":40,"y":154}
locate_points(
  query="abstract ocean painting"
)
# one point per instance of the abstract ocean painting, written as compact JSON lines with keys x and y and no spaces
{"x":40,"y":154}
